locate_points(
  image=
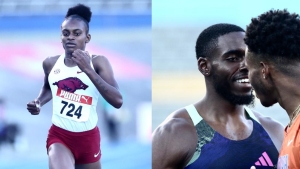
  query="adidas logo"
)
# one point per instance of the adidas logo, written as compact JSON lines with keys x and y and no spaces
{"x":264,"y":160}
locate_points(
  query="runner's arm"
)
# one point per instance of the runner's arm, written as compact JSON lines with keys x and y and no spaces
{"x":45,"y":94}
{"x":103,"y":78}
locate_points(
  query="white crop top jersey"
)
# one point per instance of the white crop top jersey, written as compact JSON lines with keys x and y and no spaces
{"x":74,"y":98}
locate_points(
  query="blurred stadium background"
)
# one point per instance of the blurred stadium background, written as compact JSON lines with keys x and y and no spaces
{"x":30,"y":31}
{"x":176,"y":81}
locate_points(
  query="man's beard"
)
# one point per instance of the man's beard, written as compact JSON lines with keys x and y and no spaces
{"x":223,"y":90}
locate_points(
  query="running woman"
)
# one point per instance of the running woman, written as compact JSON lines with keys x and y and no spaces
{"x":74,"y":81}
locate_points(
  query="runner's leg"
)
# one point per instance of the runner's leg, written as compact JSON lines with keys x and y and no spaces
{"x":60,"y":157}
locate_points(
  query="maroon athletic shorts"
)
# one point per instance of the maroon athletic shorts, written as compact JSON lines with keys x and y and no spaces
{"x":85,"y":146}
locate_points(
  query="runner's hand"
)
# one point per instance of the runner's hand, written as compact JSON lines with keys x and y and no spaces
{"x":34,"y":107}
{"x":82,"y":59}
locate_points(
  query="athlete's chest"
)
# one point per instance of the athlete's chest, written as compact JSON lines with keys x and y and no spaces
{"x":217,"y":151}
{"x":73,"y":93}
{"x":239,"y":131}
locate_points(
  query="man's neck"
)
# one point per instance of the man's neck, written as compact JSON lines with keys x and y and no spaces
{"x":288,"y":93}
{"x":227,"y":119}
{"x":216,"y":108}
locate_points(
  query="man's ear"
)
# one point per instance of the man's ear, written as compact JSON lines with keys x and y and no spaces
{"x":265,"y":70}
{"x":204,"y":66}
{"x":88,"y":38}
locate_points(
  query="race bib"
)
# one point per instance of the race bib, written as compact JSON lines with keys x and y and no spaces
{"x":73,"y":106}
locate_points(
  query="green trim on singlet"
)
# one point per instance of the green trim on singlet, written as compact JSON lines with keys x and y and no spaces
{"x":196,"y":118}
{"x":249,"y":113}
{"x":204,"y":131}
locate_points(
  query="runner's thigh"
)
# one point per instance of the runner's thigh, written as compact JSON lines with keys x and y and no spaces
{"x":60,"y":157}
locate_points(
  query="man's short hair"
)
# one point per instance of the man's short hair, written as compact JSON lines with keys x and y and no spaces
{"x":208,"y":39}
{"x":275,"y":36}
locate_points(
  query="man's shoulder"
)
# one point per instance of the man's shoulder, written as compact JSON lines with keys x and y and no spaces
{"x":178,"y":128}
{"x":177,"y":132}
{"x":178,"y":120}
{"x":274,"y":129}
{"x":265,"y":120}
{"x":175,"y":139}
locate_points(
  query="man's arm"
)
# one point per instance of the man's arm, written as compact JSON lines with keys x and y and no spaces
{"x":45,"y":94}
{"x":173,"y":144}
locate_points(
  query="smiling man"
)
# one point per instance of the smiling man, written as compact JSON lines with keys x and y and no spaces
{"x":218,"y":131}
